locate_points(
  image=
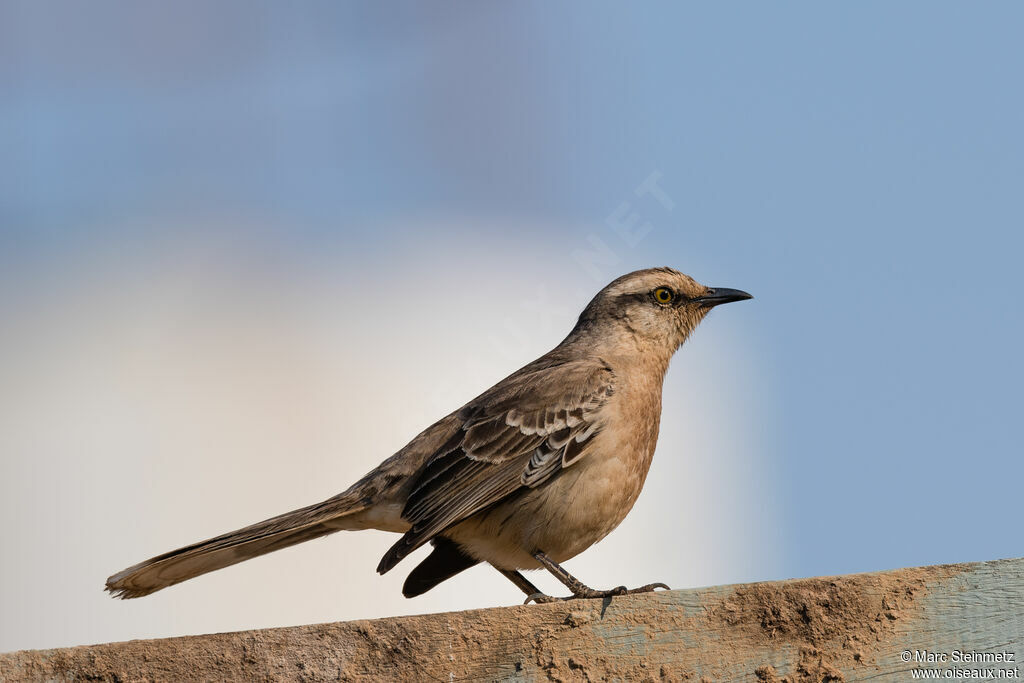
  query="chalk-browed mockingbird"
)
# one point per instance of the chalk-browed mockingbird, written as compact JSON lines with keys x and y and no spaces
{"x":530,"y":473}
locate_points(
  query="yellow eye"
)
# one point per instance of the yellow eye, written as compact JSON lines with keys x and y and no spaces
{"x":663,"y":295}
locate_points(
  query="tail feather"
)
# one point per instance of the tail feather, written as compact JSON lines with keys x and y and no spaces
{"x":443,"y":563}
{"x":225,"y":550}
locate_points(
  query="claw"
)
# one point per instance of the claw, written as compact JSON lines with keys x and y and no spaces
{"x":540,"y":598}
{"x":649,"y":588}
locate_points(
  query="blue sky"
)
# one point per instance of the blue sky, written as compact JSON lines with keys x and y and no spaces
{"x":857,"y":167}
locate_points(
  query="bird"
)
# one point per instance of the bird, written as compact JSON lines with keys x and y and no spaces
{"x":525,"y":476}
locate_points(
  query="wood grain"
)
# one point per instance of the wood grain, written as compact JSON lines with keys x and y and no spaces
{"x":845,"y":628}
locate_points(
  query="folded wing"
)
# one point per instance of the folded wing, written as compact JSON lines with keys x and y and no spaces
{"x":518,"y":434}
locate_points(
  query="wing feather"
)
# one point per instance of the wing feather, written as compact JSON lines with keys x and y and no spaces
{"x":519,"y":434}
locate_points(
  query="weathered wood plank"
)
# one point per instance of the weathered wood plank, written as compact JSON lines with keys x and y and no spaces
{"x":846,"y":628}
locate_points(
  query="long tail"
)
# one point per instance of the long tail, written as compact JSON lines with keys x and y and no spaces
{"x":275,"y":533}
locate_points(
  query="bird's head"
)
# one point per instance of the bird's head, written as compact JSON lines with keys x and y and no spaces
{"x":658,"y":307}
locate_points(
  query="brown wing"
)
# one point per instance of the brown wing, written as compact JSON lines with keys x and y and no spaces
{"x":518,"y":434}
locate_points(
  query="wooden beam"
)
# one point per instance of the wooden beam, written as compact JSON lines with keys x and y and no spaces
{"x":842,"y":628}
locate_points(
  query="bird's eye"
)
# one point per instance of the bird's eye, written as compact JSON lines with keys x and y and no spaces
{"x":663,"y":295}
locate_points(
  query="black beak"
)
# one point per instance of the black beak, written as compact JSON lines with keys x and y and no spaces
{"x":721,"y":295}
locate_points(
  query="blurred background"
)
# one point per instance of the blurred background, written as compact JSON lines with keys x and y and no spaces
{"x":248,"y":250}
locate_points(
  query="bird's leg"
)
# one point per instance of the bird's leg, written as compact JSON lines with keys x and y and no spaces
{"x":533,"y":594}
{"x":578,"y":588}
{"x":522,"y":582}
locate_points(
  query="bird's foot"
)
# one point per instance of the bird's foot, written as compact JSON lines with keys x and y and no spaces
{"x":585,"y":592}
{"x":649,"y":588}
{"x":582,"y":593}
